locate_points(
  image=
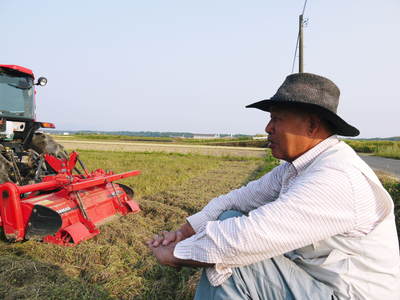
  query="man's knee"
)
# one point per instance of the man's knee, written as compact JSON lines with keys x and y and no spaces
{"x":229,"y":214}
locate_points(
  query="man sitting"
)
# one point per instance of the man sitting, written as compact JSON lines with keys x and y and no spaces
{"x":319,"y":226}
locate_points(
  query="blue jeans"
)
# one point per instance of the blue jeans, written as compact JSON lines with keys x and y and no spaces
{"x":275,"y":278}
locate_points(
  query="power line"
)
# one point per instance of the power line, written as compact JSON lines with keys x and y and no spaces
{"x":295,"y":51}
{"x":304,"y":7}
{"x":298,"y":37}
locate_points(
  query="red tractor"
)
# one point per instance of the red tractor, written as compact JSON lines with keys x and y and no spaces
{"x":44,"y":195}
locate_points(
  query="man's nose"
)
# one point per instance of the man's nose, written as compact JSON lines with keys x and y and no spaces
{"x":268,"y":128}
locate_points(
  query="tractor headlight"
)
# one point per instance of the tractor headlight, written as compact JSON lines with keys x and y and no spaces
{"x":42,"y":81}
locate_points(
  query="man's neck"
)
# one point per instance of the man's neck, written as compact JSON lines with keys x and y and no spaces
{"x":310,"y":143}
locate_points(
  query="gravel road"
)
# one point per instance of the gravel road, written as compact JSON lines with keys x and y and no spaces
{"x":387,"y":165}
{"x":153,"y":147}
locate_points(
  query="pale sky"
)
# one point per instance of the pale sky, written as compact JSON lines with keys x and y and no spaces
{"x":193,"y":65}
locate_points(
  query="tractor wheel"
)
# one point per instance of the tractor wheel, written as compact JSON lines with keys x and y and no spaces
{"x":44,"y":143}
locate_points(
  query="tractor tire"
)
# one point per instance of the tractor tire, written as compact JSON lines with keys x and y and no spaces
{"x":44,"y":143}
{"x":5,"y":169}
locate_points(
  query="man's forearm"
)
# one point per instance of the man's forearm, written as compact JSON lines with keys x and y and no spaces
{"x":188,"y":231}
{"x":165,"y":256}
{"x":191,"y":263}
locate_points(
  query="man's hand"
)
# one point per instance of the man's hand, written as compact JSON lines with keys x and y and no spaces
{"x":165,"y":255}
{"x":163,"y":246}
{"x":165,"y":238}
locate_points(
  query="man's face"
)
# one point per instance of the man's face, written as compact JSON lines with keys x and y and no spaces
{"x":287,"y":133}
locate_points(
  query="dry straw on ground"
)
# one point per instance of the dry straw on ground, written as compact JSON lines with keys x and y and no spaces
{"x":116,"y":264}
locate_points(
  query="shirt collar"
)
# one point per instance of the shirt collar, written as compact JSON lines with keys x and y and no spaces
{"x":305,"y":160}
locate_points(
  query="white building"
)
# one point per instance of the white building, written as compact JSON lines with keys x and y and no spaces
{"x":204,"y":136}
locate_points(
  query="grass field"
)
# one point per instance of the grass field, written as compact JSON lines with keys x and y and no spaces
{"x":235,"y":142}
{"x":116,"y":264}
{"x":389,"y":149}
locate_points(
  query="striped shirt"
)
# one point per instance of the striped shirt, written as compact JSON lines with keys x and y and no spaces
{"x":288,"y":208}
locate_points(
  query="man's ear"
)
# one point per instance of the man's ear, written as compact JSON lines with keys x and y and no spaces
{"x":314,"y":125}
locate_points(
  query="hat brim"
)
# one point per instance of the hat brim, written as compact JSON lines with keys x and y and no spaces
{"x":340,"y":126}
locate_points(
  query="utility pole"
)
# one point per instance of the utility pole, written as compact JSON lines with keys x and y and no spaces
{"x":301,"y":43}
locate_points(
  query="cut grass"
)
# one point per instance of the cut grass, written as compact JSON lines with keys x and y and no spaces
{"x":116,"y":264}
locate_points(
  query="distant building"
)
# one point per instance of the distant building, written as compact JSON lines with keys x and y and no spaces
{"x":229,"y":136}
{"x":65,"y":133}
{"x":260,"y":137}
{"x":202,"y":136}
{"x":177,"y":136}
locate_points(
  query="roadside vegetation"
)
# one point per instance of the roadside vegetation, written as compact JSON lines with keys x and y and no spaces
{"x":392,"y":185}
{"x":389,"y":149}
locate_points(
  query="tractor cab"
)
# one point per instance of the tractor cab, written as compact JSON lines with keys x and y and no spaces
{"x":17,"y":102}
{"x":17,"y":95}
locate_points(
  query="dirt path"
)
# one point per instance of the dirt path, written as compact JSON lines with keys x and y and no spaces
{"x":153,"y":147}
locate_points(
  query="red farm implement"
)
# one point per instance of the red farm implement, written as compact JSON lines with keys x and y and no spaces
{"x":43,"y":195}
